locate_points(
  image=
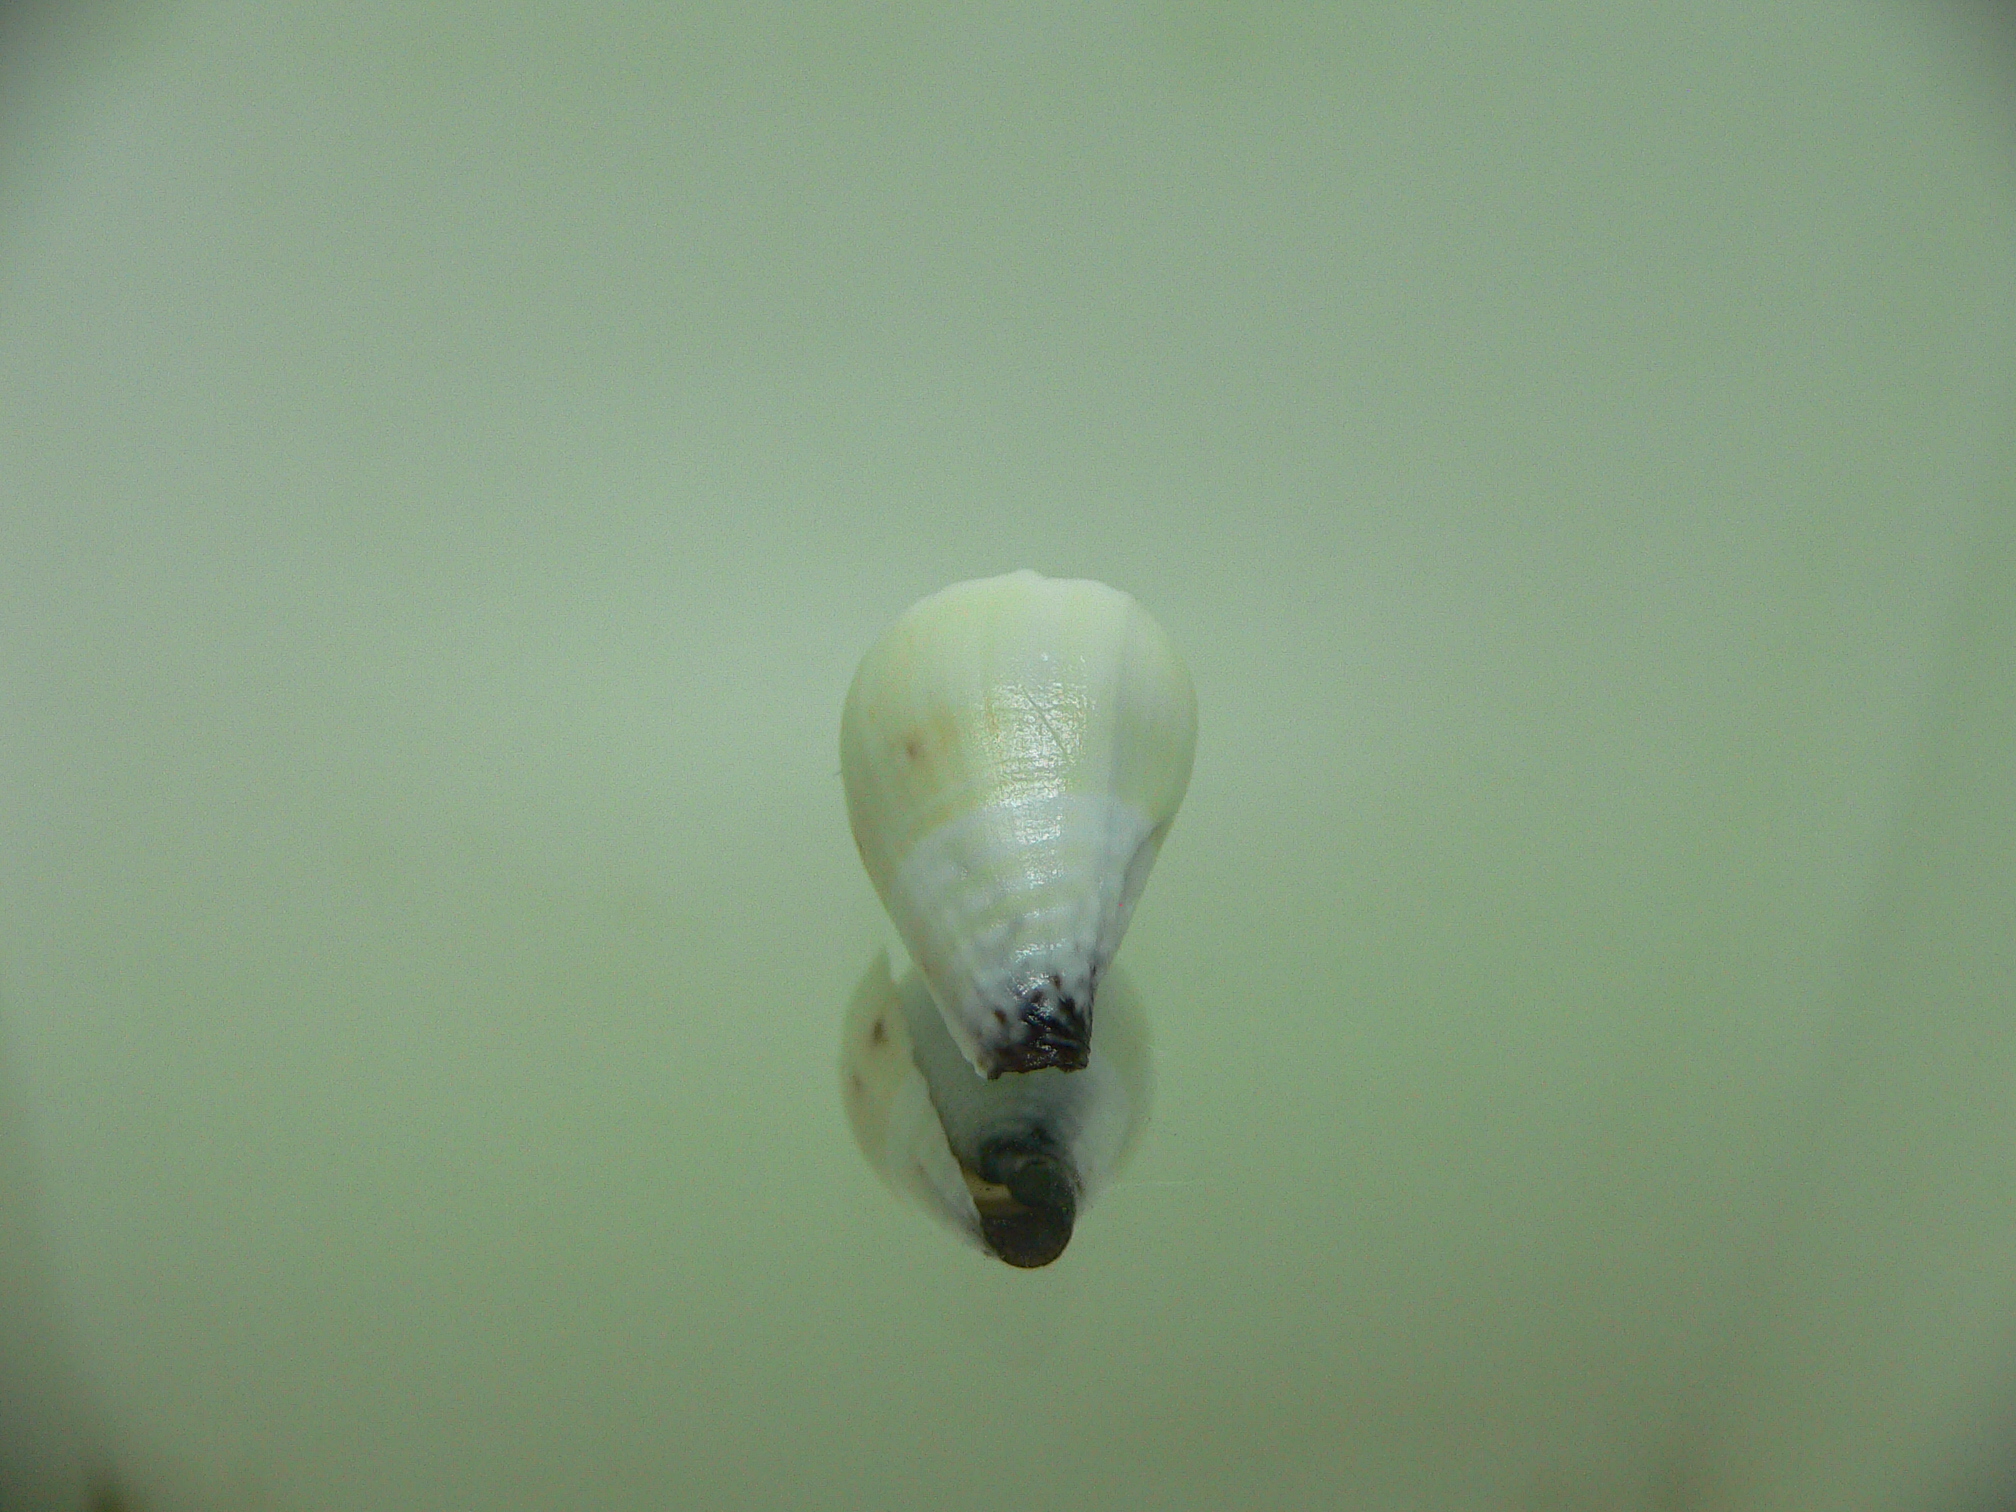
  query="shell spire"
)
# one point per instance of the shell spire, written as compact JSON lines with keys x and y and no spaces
{"x":1014,"y":751}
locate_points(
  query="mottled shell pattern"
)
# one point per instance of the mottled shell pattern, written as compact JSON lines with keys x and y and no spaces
{"x":1014,"y":751}
{"x":1009,"y":1165}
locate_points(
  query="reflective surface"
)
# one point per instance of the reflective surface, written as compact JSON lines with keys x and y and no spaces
{"x":1008,"y":1164}
{"x":1014,"y":751}
{"x":454,"y":459}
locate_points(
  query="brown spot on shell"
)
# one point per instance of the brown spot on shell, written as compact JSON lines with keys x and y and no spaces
{"x":937,"y":732}
{"x":879,"y":1033}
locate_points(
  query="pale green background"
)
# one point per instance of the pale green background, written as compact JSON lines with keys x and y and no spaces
{"x":451,"y":457}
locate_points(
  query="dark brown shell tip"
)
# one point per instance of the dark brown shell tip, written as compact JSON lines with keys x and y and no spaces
{"x":1040,"y":1055}
{"x":1028,"y":1218}
{"x":1027,"y":1241}
{"x":1053,"y":1034}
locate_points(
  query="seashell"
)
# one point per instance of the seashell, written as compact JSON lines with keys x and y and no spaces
{"x":1014,"y":751}
{"x":1009,"y":1165}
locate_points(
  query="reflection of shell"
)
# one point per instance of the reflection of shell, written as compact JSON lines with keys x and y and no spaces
{"x":1014,"y":750}
{"x":1008,"y":1164}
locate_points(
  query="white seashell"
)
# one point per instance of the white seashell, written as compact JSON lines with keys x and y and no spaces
{"x":1009,"y":1165}
{"x":1014,"y":751}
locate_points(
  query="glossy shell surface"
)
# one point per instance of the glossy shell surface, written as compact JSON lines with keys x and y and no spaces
{"x":1014,"y":750}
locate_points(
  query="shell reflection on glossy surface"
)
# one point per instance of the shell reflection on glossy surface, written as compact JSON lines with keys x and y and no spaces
{"x":1010,"y":1165}
{"x":1014,"y":750}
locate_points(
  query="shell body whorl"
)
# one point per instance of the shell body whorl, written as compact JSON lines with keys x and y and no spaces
{"x":1014,"y":749}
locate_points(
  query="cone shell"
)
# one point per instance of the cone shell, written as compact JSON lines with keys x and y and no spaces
{"x":1010,"y":1165}
{"x":1014,"y":751}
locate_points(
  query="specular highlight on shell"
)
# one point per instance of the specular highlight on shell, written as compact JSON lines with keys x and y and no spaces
{"x":1014,"y":750}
